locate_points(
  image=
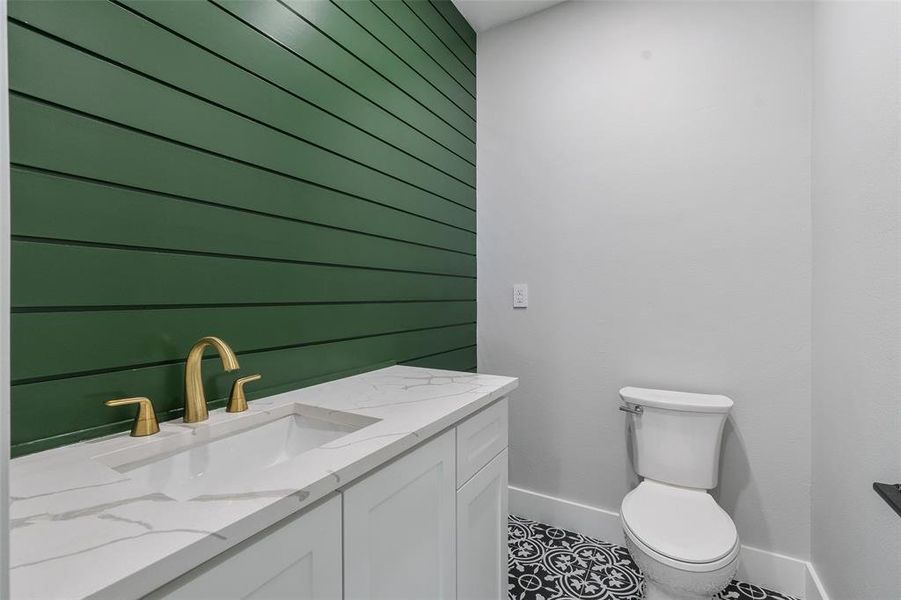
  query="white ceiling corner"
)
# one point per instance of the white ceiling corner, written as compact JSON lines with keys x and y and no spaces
{"x":485,"y":14}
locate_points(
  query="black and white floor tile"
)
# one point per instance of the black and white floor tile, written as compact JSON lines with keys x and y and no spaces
{"x":546,"y":563}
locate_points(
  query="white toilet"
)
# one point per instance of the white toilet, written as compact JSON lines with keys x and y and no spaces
{"x":685,"y":544}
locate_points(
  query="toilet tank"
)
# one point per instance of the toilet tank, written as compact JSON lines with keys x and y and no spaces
{"x":676,"y":438}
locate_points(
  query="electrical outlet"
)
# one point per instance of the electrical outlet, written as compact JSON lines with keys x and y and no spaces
{"x":520,"y":295}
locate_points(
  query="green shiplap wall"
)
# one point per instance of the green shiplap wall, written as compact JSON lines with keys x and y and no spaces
{"x":296,"y":177}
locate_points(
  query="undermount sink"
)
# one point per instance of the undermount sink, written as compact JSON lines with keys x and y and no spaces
{"x":208,"y":458}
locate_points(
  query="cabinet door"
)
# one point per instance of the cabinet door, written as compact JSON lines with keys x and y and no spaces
{"x":482,"y":533}
{"x":297,"y":559}
{"x":399,"y":528}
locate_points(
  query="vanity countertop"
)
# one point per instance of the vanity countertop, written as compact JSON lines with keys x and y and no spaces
{"x":81,"y":529}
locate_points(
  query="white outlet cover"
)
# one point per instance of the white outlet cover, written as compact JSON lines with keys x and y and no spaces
{"x":520,"y":295}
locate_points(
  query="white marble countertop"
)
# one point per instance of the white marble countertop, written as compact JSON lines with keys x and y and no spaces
{"x":81,"y":529}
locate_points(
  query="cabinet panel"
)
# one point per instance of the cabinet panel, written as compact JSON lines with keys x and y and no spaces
{"x":298,"y":559}
{"x":482,"y":533}
{"x":480,"y":438}
{"x":399,"y":528}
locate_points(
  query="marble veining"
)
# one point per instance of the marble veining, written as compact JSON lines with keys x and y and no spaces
{"x":82,"y":529}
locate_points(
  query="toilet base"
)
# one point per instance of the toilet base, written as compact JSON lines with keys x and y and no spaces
{"x":652,"y":591}
{"x":663,"y":582}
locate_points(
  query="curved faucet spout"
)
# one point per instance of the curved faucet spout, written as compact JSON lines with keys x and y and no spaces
{"x":195,"y":399}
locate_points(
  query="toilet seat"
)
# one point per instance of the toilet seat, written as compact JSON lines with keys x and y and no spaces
{"x":680,"y":527}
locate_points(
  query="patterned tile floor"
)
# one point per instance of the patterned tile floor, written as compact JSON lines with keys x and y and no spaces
{"x":546,"y":563}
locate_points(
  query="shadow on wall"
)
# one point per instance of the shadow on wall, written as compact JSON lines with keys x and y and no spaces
{"x":735,"y":485}
{"x":630,"y":476}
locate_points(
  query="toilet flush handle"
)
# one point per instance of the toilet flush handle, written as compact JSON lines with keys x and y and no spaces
{"x":635,"y":410}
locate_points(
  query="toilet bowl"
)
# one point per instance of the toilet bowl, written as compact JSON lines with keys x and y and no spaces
{"x":685,"y":544}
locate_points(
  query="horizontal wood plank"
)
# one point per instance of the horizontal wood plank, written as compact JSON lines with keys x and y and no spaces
{"x":57,"y":140}
{"x":155,"y":52}
{"x":83,"y":83}
{"x":461,"y":359}
{"x":329,"y":19}
{"x":77,"y":403}
{"x":426,"y":11}
{"x":423,"y":54}
{"x":219,"y":32}
{"x":298,"y":36}
{"x":89,"y":212}
{"x":296,"y":177}
{"x":456,"y":20}
{"x":419,"y":35}
{"x":54,"y":344}
{"x":59,"y":275}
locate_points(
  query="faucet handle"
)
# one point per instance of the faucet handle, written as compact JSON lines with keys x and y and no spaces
{"x":145,"y":421}
{"x":238,"y":401}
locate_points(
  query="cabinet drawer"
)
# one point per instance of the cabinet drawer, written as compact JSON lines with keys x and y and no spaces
{"x":480,"y":438}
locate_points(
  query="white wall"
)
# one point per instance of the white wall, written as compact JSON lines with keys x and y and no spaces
{"x":645,"y":168}
{"x":856,"y":537}
{"x":4,"y":311}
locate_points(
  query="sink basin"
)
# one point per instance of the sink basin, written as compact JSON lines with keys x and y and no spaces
{"x":210,"y":457}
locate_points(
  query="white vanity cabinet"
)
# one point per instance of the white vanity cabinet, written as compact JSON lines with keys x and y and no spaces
{"x":482,"y":504}
{"x":430,"y":524}
{"x":297,"y":559}
{"x":480,"y":438}
{"x":399,"y":528}
{"x":482,"y":533}
{"x":433,"y":523}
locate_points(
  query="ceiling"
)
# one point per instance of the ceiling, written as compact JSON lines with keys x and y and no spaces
{"x":485,"y":14}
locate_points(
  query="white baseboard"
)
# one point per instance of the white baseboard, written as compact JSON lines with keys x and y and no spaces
{"x":565,"y":514}
{"x":778,"y":572}
{"x":814,"y":586}
{"x":774,"y":571}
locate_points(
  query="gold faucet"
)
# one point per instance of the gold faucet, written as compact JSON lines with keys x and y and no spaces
{"x":195,"y":400}
{"x":238,"y":400}
{"x":145,"y":422}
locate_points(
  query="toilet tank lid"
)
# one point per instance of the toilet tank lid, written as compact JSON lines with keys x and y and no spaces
{"x":684,"y":401}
